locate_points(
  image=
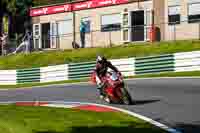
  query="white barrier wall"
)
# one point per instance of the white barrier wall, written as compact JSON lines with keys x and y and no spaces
{"x":187,"y":61}
{"x":54,"y":73}
{"x":126,"y":66}
{"x":8,"y":77}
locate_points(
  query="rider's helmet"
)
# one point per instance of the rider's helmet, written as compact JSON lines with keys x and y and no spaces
{"x":100,"y":59}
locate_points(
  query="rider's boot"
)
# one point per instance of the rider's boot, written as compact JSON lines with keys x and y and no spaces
{"x":101,"y":94}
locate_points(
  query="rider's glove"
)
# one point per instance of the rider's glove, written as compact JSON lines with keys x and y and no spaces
{"x":119,"y":73}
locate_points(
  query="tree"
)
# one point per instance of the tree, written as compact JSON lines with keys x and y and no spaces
{"x":50,"y":2}
{"x":7,"y":7}
{"x":11,"y":11}
{"x":2,"y":12}
{"x":47,"y":2}
{"x":23,"y":7}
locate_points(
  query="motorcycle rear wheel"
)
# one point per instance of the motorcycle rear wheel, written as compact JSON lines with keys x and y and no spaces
{"x":126,"y":97}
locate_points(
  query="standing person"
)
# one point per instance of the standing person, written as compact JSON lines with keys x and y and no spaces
{"x":1,"y":35}
{"x":82,"y":33}
{"x":3,"y":42}
{"x":28,"y":38}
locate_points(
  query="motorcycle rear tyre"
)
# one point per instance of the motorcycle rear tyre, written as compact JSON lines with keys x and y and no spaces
{"x":126,"y":98}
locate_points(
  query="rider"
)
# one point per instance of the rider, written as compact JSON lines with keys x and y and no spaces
{"x":102,"y":65}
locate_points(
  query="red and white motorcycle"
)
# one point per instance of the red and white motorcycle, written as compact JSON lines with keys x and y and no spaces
{"x":115,"y":89}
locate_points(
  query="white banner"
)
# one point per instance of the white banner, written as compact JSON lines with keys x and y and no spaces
{"x":194,"y":9}
{"x":174,"y":10}
{"x":174,"y":2}
{"x":111,"y":19}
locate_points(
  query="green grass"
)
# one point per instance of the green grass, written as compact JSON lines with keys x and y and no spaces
{"x":170,"y":74}
{"x":57,"y":120}
{"x":39,"y":59}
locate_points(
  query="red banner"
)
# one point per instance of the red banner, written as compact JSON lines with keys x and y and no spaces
{"x":83,"y":5}
{"x":102,"y":3}
{"x":76,"y":6}
{"x":50,"y":10}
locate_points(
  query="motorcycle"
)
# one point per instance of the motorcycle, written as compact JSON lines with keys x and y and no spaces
{"x":115,"y":90}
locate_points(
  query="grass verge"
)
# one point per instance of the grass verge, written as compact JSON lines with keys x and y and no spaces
{"x":15,"y":119}
{"x":170,"y":74}
{"x":40,"y":59}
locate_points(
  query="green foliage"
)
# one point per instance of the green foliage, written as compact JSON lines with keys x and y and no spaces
{"x":15,"y":9}
{"x":50,"y":2}
{"x":11,"y":7}
{"x":23,"y":6}
{"x":5,"y":24}
{"x":47,"y":2}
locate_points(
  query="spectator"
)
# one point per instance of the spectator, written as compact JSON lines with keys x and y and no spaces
{"x":29,"y":37}
{"x":3,"y":38}
{"x":82,"y":33}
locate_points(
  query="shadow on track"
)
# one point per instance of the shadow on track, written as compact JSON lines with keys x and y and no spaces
{"x":109,"y":129}
{"x":142,"y":102}
{"x":188,"y":128}
{"x":135,"y":102}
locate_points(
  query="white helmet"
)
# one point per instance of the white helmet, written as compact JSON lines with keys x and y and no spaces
{"x":99,"y":58}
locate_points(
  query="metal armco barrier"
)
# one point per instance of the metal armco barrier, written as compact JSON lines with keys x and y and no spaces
{"x":154,"y":64}
{"x":28,"y":75}
{"x":81,"y":70}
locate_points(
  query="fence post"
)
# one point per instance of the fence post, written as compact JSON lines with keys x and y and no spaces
{"x":110,"y":42}
{"x":199,"y":31}
{"x":1,"y":47}
{"x":74,"y":26}
{"x":91,"y":37}
{"x":3,"y":41}
{"x":174,"y":31}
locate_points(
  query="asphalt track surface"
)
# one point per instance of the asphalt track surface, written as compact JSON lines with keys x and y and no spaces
{"x":174,"y":102}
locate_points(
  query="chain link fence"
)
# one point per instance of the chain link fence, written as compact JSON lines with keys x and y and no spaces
{"x":112,"y":36}
{"x":134,"y":34}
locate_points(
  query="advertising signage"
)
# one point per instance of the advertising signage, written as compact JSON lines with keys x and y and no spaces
{"x":74,"y":7}
{"x":83,"y":5}
{"x":50,"y":10}
{"x":96,"y":3}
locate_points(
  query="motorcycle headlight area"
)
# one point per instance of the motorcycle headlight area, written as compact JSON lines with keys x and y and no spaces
{"x":114,"y":77}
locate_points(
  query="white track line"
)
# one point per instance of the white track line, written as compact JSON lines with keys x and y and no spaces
{"x":160,"y":125}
